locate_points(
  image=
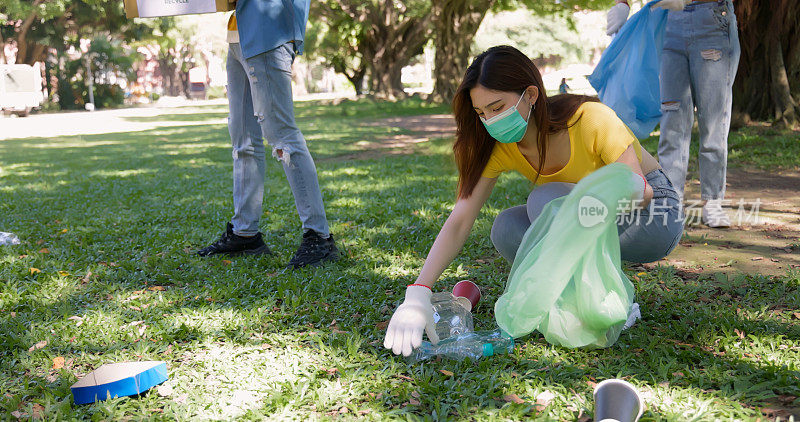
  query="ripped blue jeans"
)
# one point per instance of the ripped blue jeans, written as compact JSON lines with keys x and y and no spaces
{"x":261,"y":108}
{"x":698,"y":65}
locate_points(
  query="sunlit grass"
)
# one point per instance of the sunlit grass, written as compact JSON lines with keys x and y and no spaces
{"x":110,"y":223}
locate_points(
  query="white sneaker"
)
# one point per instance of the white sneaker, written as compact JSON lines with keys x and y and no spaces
{"x":714,"y":216}
{"x":633,"y":315}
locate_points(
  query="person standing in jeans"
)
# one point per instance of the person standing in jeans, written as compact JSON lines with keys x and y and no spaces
{"x":698,"y":66}
{"x":264,"y":37}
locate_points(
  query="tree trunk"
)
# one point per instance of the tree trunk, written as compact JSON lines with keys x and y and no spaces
{"x":456,"y":22}
{"x":394,"y":39}
{"x":22,"y":39}
{"x":781,"y":92}
{"x":766,"y":87}
{"x":2,"y":49}
{"x":357,"y":79}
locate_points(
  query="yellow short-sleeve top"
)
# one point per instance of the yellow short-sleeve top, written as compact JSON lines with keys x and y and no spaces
{"x":597,"y":137}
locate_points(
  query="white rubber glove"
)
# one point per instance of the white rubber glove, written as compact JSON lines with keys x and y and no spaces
{"x":414,"y":315}
{"x":676,"y":5}
{"x":616,"y":17}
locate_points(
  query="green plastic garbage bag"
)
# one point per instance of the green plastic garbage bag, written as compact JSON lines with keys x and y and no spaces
{"x":566,"y":281}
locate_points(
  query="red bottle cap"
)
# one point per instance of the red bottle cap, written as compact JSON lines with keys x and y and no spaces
{"x":468,"y":290}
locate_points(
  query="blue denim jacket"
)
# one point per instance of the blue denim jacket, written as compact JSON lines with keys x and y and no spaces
{"x":266,"y":24}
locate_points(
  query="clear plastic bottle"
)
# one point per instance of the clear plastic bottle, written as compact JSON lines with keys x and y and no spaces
{"x":473,"y":345}
{"x":451,"y":315}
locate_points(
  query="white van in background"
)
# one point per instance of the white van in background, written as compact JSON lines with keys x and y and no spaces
{"x":20,"y":88}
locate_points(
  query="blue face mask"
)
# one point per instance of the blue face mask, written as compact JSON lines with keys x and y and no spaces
{"x":509,"y":126}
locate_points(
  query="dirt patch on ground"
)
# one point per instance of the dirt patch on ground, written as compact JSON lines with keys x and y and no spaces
{"x":764,"y":206}
{"x":422,"y":129}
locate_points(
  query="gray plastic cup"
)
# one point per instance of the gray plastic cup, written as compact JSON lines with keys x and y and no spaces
{"x":617,"y":400}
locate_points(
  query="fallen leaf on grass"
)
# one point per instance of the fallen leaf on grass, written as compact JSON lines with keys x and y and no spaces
{"x":64,"y":231}
{"x":796,"y":315}
{"x":226,"y":261}
{"x":58,"y":362}
{"x":35,"y":270}
{"x":757,"y":258}
{"x":87,"y":277}
{"x":413,"y":402}
{"x":157,"y":288}
{"x":738,"y":333}
{"x":19,"y":415}
{"x":38,"y":345}
{"x":38,"y":411}
{"x":677,"y":374}
{"x":446,"y":372}
{"x":513,"y":398}
{"x":403,"y":377}
{"x":13,"y":314}
{"x":63,"y":273}
{"x":382,"y":325}
{"x":44,"y":250}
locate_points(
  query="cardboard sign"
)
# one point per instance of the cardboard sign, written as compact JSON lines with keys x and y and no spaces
{"x":156,"y":8}
{"x":118,"y":380}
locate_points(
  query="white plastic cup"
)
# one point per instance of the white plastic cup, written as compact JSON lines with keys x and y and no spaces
{"x":616,"y":400}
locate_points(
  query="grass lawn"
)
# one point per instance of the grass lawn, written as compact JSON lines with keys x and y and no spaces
{"x":107,"y":273}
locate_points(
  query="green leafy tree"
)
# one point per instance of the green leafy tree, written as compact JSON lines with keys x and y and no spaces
{"x":337,"y":41}
{"x":373,"y":39}
{"x":105,"y":62}
{"x":457,"y":21}
{"x":35,"y":26}
{"x":553,"y":42}
{"x":175,"y":53}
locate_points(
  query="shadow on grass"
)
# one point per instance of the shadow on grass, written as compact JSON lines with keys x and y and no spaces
{"x":134,"y":211}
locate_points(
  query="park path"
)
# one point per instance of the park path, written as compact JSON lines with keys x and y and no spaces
{"x":70,"y":123}
{"x":768,"y":245}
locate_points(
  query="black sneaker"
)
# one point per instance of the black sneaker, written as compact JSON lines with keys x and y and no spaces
{"x":231,"y":243}
{"x":314,"y":250}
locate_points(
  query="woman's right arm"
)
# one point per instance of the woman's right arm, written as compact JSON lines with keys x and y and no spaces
{"x":415,"y":314}
{"x":454,"y":232}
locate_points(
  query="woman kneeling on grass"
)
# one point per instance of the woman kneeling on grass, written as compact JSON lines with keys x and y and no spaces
{"x":506,"y":122}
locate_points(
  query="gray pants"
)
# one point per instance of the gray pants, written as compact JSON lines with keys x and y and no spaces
{"x":698,"y":65}
{"x":648,"y":237}
{"x":261,"y":107}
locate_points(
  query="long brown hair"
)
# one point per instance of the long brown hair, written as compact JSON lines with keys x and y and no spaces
{"x":503,"y":68}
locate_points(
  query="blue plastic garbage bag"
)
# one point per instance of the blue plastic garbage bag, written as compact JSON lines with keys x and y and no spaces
{"x":626,"y":78}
